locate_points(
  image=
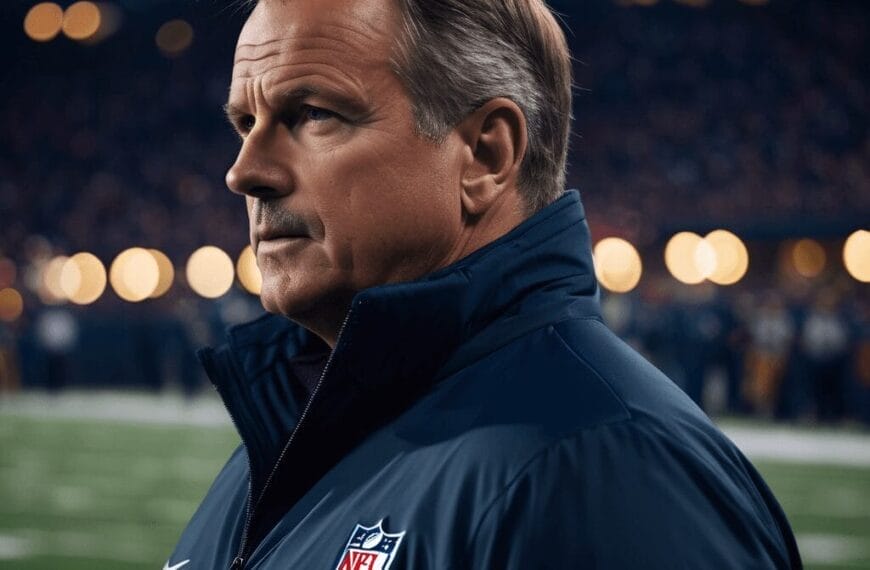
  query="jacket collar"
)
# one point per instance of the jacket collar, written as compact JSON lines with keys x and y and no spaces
{"x":410,"y":335}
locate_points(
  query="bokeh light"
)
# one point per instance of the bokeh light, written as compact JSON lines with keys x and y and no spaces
{"x":134,"y":274}
{"x":165,"y":273}
{"x":11,"y":304}
{"x":111,"y":18}
{"x":732,"y":257}
{"x":81,"y":20}
{"x":210,"y":272}
{"x":856,"y":255}
{"x":705,"y":258}
{"x":248,"y":271}
{"x":682,"y":255}
{"x":617,"y":265}
{"x":808,"y":258}
{"x":43,"y":21}
{"x":50,"y":290}
{"x":174,"y":37}
{"x":83,"y":278}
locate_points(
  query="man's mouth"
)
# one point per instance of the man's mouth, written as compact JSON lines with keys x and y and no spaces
{"x":271,"y":234}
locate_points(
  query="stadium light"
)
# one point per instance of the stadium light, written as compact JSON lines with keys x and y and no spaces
{"x":110,"y":22}
{"x":210,"y":272}
{"x":165,"y":273}
{"x":50,"y":290}
{"x":248,"y":271}
{"x":174,"y":37}
{"x":43,"y":22}
{"x":83,"y":278}
{"x":808,"y":258}
{"x":731,"y":257}
{"x":856,"y":255}
{"x":11,"y":305}
{"x":81,"y":20}
{"x":683,"y":253}
{"x":134,"y":274}
{"x":617,"y":265}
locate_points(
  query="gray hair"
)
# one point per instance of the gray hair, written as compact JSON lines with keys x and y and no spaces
{"x":455,"y":55}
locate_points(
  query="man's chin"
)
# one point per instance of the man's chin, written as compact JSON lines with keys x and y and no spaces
{"x":284,"y":302}
{"x":317,"y":309}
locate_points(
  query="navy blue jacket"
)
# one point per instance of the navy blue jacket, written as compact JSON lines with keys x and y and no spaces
{"x":480,"y":417}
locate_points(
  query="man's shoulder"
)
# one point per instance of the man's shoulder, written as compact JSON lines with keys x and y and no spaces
{"x":545,"y":389}
{"x":561,"y":378}
{"x":572,"y":385}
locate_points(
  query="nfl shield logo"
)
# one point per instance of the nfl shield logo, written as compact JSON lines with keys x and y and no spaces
{"x":370,"y":548}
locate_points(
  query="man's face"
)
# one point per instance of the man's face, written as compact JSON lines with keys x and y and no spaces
{"x":330,"y":156}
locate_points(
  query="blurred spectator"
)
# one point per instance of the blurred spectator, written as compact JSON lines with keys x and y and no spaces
{"x":825,"y":342}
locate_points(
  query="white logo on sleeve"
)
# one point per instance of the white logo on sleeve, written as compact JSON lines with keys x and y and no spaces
{"x":370,"y":548}
{"x":176,"y":566}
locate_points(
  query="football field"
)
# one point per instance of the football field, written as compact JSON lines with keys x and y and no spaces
{"x":108,"y":482}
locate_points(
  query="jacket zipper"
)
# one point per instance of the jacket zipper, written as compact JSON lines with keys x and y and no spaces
{"x":240,"y":559}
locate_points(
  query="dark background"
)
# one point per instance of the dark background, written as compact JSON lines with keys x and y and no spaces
{"x":687,"y":117}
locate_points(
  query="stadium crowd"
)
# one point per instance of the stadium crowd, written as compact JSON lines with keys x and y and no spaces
{"x":750,"y":118}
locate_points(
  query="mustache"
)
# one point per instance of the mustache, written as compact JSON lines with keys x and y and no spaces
{"x":271,"y":215}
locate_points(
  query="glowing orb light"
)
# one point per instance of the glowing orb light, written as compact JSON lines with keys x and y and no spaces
{"x":808,"y":257}
{"x":11,"y":304}
{"x":165,"y":273}
{"x":617,"y":265}
{"x":134,"y":274}
{"x":732,"y":258}
{"x":81,"y":20}
{"x":83,"y":278}
{"x":174,"y":37}
{"x":43,"y":21}
{"x":248,"y":272}
{"x":856,"y":255}
{"x":210,"y":272}
{"x":688,"y":258}
{"x":50,"y":290}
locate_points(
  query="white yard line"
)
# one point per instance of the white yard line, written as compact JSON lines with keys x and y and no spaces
{"x":773,"y":443}
{"x":145,"y":408}
{"x":778,"y":443}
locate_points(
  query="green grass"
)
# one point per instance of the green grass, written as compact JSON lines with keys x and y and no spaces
{"x":105,"y":495}
{"x":100,"y":495}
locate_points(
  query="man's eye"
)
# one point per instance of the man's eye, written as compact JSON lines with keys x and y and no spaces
{"x":317,"y":114}
{"x":246,"y":123}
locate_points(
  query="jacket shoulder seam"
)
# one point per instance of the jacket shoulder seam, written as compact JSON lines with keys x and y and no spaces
{"x":592,"y":369}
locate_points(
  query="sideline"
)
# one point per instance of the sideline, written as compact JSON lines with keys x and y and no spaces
{"x":773,"y":442}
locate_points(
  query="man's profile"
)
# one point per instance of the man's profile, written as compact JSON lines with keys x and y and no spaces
{"x":435,"y":388}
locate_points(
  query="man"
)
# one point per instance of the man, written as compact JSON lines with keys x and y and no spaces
{"x":436,"y":388}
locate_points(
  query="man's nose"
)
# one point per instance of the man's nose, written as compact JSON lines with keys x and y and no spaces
{"x":257,"y":171}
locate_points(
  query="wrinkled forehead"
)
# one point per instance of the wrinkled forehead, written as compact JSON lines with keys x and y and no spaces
{"x":341,"y":30}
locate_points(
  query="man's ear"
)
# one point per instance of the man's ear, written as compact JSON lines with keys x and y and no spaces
{"x":495,"y":137}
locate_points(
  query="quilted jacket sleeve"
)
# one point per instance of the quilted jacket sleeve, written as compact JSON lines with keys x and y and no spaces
{"x":627,"y":496}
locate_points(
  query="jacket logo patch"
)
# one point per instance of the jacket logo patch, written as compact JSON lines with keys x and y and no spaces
{"x":370,"y":548}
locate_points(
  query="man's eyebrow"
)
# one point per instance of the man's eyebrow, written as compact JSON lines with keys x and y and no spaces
{"x":292,"y":97}
{"x":232,"y":113}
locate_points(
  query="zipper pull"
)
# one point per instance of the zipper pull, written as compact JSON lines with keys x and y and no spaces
{"x":238,"y":563}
